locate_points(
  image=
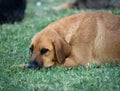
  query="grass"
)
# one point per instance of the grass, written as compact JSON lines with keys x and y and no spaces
{"x":14,"y":51}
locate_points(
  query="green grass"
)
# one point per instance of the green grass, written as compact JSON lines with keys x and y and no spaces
{"x":14,"y":51}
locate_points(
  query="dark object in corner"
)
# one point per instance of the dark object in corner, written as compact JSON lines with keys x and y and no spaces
{"x":12,"y":10}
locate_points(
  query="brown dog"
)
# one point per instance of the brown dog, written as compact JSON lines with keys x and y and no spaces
{"x":84,"y":38}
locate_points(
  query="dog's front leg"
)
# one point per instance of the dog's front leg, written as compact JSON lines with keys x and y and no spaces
{"x":70,"y":62}
{"x":78,"y":56}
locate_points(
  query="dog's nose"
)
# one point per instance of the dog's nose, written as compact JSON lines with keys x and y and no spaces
{"x":32,"y":65}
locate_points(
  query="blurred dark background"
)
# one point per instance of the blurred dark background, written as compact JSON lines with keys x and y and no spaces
{"x":14,"y":10}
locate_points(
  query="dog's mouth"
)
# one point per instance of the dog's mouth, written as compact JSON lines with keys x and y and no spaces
{"x":34,"y":65}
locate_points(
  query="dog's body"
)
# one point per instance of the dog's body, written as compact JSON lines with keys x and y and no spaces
{"x":84,"y":38}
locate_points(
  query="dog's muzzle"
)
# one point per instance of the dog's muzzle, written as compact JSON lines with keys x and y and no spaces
{"x":33,"y":65}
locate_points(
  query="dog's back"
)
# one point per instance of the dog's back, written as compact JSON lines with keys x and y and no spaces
{"x":107,"y":41}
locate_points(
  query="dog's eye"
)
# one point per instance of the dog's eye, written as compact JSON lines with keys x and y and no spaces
{"x":43,"y":51}
{"x":31,"y":48}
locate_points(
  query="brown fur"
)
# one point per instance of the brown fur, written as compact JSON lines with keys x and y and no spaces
{"x":85,"y":38}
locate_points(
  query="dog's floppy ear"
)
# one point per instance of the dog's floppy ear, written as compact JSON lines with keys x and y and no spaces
{"x":62,"y":49}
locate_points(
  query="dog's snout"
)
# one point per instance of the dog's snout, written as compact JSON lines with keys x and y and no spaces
{"x":32,"y":65}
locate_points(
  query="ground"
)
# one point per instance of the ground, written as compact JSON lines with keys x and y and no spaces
{"x":14,"y":51}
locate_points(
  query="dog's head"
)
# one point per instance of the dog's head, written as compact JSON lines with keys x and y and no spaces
{"x":48,"y":49}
